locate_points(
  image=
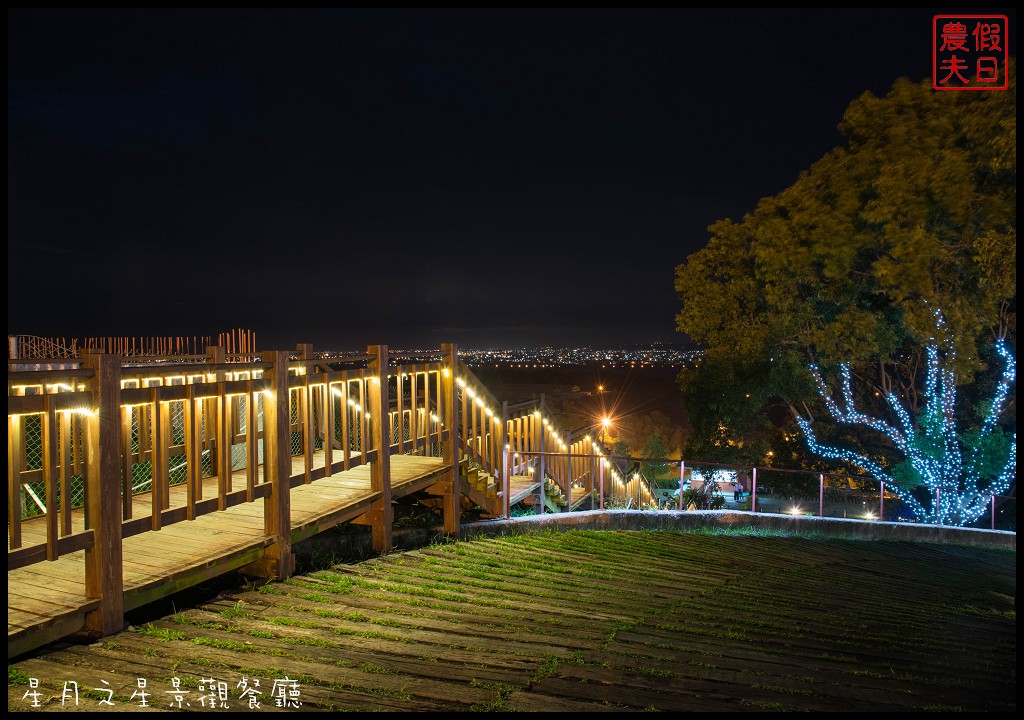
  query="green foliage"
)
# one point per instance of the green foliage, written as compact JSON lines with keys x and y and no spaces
{"x":916,"y":211}
{"x":161,"y":634}
{"x":698,"y":499}
{"x":621,"y":448}
{"x":658,"y":474}
{"x":237,"y":611}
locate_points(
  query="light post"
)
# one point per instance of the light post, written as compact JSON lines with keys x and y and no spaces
{"x":605,"y":423}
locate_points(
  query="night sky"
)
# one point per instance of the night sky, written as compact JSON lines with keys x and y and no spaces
{"x":497,"y":178}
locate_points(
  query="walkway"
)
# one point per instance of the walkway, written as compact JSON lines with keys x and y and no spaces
{"x":47,"y":600}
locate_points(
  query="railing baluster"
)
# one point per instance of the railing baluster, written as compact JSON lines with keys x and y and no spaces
{"x":160,"y":496}
{"x":126,"y":462}
{"x":65,"y":420}
{"x":49,"y":443}
{"x":15,"y":462}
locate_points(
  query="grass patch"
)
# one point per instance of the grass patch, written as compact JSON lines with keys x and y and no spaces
{"x":372,"y":668}
{"x":547,"y":668}
{"x":160,"y":634}
{"x":16,"y":676}
{"x":294,"y":622}
{"x":501,"y":690}
{"x":237,"y":611}
{"x":222,"y":644}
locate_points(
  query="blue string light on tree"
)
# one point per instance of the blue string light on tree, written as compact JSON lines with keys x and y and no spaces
{"x":961,"y":470}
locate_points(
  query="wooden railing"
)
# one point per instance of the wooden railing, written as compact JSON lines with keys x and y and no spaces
{"x":520,"y":439}
{"x":32,"y":347}
{"x":482,"y":433}
{"x":106,"y":447}
{"x":101,"y":434}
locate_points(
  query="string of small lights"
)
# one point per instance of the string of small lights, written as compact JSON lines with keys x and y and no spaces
{"x":932,"y":445}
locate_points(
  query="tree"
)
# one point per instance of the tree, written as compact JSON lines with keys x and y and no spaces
{"x":916,"y":211}
{"x":659,"y":474}
{"x":960,"y":471}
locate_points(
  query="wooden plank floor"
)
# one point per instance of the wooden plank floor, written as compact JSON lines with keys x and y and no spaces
{"x":47,"y":601}
{"x":521,"y":487}
{"x":608,"y":621}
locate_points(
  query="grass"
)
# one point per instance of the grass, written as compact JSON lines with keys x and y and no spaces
{"x":16,"y":676}
{"x":160,"y":634}
{"x":237,"y":611}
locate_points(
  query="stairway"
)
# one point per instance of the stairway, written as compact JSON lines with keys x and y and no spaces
{"x":554,"y":499}
{"x":481,"y":489}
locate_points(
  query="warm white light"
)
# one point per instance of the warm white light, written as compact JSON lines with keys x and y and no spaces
{"x":81,"y":411}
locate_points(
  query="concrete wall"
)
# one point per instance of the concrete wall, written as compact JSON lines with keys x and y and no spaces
{"x":352,"y":543}
{"x":731,"y":519}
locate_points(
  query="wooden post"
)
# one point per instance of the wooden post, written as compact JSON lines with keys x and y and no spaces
{"x":821,"y":494}
{"x":541,"y":446}
{"x":568,"y":471}
{"x":161,"y":443}
{"x":305,"y":412}
{"x":126,"y":462}
{"x":252,"y":441}
{"x":104,"y":572}
{"x":682,"y":481}
{"x":49,"y":469}
{"x":448,"y":400}
{"x":193,"y":409}
{"x":346,"y":415}
{"x":753,"y":491}
{"x":219,"y":408}
{"x":15,"y":448}
{"x":65,"y":473}
{"x":506,"y":462}
{"x":382,"y":515}
{"x":327,"y":419}
{"x":414,"y":411}
{"x":278,"y":561}
{"x":400,"y":407}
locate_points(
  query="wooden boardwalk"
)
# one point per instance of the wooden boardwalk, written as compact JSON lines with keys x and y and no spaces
{"x":606,"y":621}
{"x":100,"y":416}
{"x":521,"y":487}
{"x":47,"y":601}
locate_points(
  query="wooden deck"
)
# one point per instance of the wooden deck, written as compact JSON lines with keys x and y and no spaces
{"x":522,"y":487}
{"x":47,"y":601}
{"x":609,"y":621}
